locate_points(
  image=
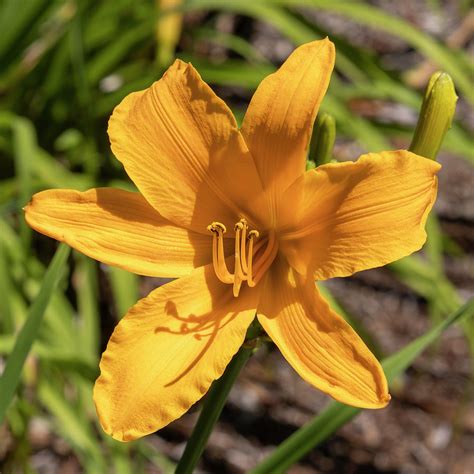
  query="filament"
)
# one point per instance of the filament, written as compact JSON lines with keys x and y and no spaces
{"x":218,"y":258}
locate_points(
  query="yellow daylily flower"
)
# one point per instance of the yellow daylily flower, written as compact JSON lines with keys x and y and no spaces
{"x":233,"y":213}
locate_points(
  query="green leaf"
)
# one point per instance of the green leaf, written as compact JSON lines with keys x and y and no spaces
{"x":336,"y":414}
{"x":11,"y":376}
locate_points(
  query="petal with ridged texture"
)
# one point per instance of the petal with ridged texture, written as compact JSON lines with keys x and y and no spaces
{"x":165,"y":353}
{"x":181,"y":146}
{"x":342,"y":218}
{"x":119,"y":228}
{"x":319,"y":344}
{"x":278,"y":123}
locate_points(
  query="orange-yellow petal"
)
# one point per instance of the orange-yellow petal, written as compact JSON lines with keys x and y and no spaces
{"x":118,"y":228}
{"x":181,"y":146}
{"x":358,"y":215}
{"x":319,"y":344}
{"x":278,"y":123}
{"x":165,"y":353}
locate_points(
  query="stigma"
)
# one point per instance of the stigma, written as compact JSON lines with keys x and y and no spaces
{"x":244,"y":255}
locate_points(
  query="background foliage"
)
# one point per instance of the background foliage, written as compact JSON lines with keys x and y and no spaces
{"x":64,"y":65}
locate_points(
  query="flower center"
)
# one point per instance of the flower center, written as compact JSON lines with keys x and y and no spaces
{"x":246,"y":251}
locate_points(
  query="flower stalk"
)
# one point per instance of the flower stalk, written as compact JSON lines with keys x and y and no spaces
{"x":215,"y":401}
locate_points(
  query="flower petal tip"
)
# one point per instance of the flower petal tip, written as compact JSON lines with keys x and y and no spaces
{"x":102,"y":407}
{"x":377,"y":403}
{"x":325,"y":43}
{"x":328,"y":42}
{"x":179,"y":64}
{"x":30,"y":203}
{"x":384,"y":401}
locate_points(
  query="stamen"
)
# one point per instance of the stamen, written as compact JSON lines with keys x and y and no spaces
{"x":243,"y":241}
{"x":245,"y":248}
{"x":218,"y":258}
{"x":238,"y":273}
{"x":253,"y":234}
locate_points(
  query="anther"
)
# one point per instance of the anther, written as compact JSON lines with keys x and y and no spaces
{"x":241,"y":225}
{"x":217,"y":227}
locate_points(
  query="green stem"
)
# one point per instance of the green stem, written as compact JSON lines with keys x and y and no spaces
{"x":213,"y":405}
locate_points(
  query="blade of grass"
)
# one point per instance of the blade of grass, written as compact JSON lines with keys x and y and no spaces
{"x":234,"y":72}
{"x":377,"y":18}
{"x":67,"y":361}
{"x":361,"y":330}
{"x":58,"y":327}
{"x":336,"y":414}
{"x":162,"y":462}
{"x":125,"y":289}
{"x":34,"y":162}
{"x":422,"y":279}
{"x":434,"y":244}
{"x":16,"y":19}
{"x":263,"y":10}
{"x":85,"y":282}
{"x":24,"y":148}
{"x":11,"y":376}
{"x":7,"y":322}
{"x":121,"y":456}
{"x":234,"y":43}
{"x":269,"y":11}
{"x":110,"y":57}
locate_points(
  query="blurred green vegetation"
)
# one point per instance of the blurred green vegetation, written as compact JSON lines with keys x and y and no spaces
{"x":64,"y":65}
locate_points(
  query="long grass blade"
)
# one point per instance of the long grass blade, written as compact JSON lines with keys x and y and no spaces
{"x":124,"y":288}
{"x":11,"y":376}
{"x":86,"y":282}
{"x":24,"y":146}
{"x":6,"y":324}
